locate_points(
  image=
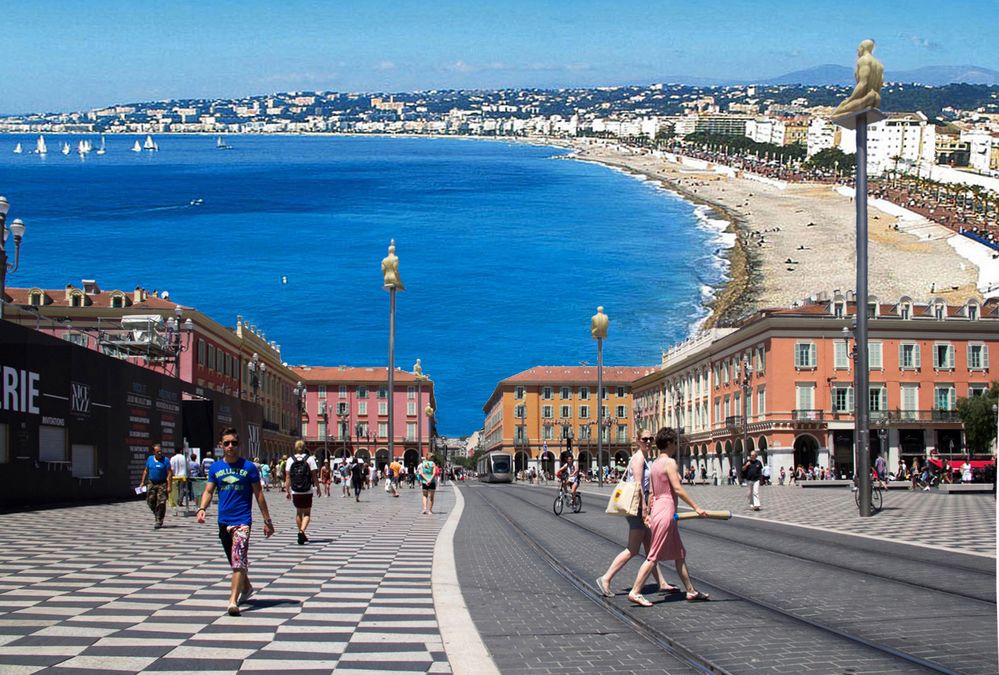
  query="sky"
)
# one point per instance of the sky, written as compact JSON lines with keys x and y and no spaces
{"x":67,"y":55}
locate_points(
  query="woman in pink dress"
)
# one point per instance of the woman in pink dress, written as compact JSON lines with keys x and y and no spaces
{"x":665,"y":487}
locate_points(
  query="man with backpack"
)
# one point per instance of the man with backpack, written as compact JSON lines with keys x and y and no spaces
{"x":300,"y":477}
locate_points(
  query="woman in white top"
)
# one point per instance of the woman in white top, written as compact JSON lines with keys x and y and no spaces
{"x":966,"y":472}
{"x":639,"y":533}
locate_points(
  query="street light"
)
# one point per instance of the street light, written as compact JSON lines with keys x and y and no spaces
{"x":257,"y":370}
{"x":599,"y":323}
{"x":174,"y":342}
{"x":677,"y":410}
{"x":17,"y":229}
{"x":299,"y":392}
{"x":392,"y":283}
{"x":995,"y":409}
{"x":429,"y":412}
{"x":343,"y":414}
{"x":746,"y":382}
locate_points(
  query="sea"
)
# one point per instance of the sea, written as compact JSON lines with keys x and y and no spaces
{"x":506,"y":249}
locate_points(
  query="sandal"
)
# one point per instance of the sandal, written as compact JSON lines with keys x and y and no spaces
{"x":668,"y":589}
{"x":233,"y":610}
{"x":639,"y":600}
{"x":697,"y":596}
{"x":604,"y":591}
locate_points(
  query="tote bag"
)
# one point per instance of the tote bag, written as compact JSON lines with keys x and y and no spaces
{"x":624,"y":501}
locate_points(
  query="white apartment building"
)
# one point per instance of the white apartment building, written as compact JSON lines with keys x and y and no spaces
{"x":984,"y":147}
{"x":822,"y":135}
{"x":766,"y":130}
{"x":903,"y":141}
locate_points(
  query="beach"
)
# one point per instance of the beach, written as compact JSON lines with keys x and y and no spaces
{"x":792,"y":241}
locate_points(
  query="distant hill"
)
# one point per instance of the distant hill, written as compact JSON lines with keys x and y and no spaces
{"x":935,"y":76}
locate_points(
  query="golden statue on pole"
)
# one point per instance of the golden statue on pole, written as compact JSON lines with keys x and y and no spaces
{"x":869,"y":74}
{"x":390,"y":269}
{"x":598,"y":324}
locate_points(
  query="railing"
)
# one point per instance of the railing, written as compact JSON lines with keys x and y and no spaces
{"x":924,"y":416}
{"x":734,"y":422}
{"x":271,"y":426}
{"x":807,"y":415}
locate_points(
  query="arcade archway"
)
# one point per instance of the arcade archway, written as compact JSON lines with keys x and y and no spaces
{"x":806,"y":450}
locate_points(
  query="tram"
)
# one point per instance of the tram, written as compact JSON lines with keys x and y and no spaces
{"x":495,"y":467}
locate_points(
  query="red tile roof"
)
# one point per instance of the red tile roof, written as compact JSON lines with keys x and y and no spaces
{"x":57,"y":298}
{"x":350,"y":374}
{"x":613,"y":375}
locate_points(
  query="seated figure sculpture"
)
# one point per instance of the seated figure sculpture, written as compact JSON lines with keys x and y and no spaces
{"x":869,"y":74}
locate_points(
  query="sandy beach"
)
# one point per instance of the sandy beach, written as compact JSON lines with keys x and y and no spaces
{"x":798,"y":240}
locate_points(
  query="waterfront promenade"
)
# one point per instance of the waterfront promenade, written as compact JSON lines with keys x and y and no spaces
{"x":96,"y":588}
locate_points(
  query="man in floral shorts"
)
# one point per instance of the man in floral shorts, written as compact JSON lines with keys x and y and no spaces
{"x":238,"y":481}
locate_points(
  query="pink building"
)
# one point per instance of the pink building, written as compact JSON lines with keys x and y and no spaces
{"x":345,"y":413}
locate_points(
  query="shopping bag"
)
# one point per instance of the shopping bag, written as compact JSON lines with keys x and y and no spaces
{"x":624,"y":501}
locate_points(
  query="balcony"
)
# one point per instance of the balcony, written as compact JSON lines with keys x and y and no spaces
{"x":734,"y":422}
{"x":807,"y":415}
{"x":941,"y":416}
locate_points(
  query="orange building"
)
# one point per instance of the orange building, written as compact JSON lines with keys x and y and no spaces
{"x":781,"y":382}
{"x":554,"y":407}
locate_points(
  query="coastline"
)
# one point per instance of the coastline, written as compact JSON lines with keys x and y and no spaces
{"x":788,"y":240}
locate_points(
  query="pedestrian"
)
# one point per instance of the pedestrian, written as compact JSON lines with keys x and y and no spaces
{"x":639,"y":534}
{"x":732,"y":476}
{"x":411,"y":476}
{"x":427,"y":472}
{"x":300,"y":478}
{"x":345,"y":478}
{"x":966,"y":476}
{"x":238,"y":482}
{"x":193,"y":471}
{"x":279,"y":469}
{"x":390,"y":480}
{"x":178,"y":482}
{"x":265,"y":476}
{"x":357,"y":474}
{"x":752,"y":471}
{"x":326,"y":477}
{"x":664,"y":489}
{"x":207,"y":462}
{"x":766,"y":475}
{"x":782,"y":477}
{"x":157,"y":470}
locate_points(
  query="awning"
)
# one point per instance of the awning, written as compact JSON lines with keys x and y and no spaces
{"x":956,"y":464}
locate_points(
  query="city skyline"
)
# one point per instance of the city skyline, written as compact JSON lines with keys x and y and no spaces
{"x":111,"y":56}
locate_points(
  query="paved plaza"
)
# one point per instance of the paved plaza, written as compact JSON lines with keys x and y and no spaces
{"x":95,"y":588}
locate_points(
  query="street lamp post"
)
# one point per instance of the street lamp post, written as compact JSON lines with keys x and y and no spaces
{"x":746,"y":382}
{"x":677,"y":411}
{"x":299,"y":392}
{"x":995,"y":409}
{"x":257,"y":370}
{"x":429,"y":413}
{"x":599,"y":323}
{"x":392,"y":283}
{"x":175,"y":344}
{"x":17,"y":229}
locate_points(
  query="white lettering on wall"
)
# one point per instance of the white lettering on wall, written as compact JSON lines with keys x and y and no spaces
{"x":20,"y":390}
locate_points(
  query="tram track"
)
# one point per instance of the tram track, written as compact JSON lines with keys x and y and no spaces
{"x":578,"y":581}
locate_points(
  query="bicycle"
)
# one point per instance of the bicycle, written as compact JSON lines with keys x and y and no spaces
{"x":564,"y":495}
{"x":877,"y":498}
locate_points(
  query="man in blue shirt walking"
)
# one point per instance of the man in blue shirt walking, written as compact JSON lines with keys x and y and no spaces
{"x":158,"y":470}
{"x":238,"y":481}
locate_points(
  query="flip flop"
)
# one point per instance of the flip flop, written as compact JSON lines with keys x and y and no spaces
{"x":669,"y":589}
{"x":604,"y":591}
{"x":698,"y":597}
{"x":233,"y":610}
{"x":639,"y":600}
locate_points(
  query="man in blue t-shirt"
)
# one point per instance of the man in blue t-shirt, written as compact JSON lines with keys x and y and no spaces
{"x":158,"y":471}
{"x":238,"y":481}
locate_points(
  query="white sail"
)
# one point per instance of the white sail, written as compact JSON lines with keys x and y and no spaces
{"x":100,"y":150}
{"x":17,"y":149}
{"x":149,"y":144}
{"x":137,"y":147}
{"x":65,"y":148}
{"x":82,"y":148}
{"x":40,"y":146}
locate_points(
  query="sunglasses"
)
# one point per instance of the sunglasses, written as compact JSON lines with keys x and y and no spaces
{"x":226,"y":444}
{"x":646,"y":439}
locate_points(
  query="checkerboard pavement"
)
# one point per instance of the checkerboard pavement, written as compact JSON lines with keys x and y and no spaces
{"x":96,"y":588}
{"x":958,"y":522}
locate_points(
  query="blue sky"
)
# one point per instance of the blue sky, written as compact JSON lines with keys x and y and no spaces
{"x":72,"y":55}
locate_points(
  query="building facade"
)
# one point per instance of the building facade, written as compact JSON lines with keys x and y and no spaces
{"x":539,"y":412}
{"x":781,"y":382}
{"x":344,"y":412}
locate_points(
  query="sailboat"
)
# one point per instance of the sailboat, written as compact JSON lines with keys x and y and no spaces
{"x":65,"y":148}
{"x":17,"y":149}
{"x":221,"y":144}
{"x":82,"y":148}
{"x":150,"y":144}
{"x":101,"y":150}
{"x":40,"y":146}
{"x":136,"y":147}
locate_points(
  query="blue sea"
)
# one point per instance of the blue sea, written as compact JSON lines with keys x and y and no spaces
{"x":505,"y":251}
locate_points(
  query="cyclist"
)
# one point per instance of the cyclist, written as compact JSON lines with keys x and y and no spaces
{"x":880,"y":471}
{"x":568,"y":471}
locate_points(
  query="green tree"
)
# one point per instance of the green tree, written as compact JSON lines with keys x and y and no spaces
{"x":831,"y":158}
{"x":979,"y":420}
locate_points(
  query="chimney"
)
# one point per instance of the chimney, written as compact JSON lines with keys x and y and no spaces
{"x":69,"y":290}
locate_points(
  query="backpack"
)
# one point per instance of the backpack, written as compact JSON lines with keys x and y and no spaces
{"x":301,"y":475}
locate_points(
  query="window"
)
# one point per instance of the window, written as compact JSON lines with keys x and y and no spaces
{"x":878,"y":399}
{"x":604,"y":411}
{"x":410,"y":392}
{"x":874,"y":355}
{"x":518,"y":393}
{"x":761,"y":360}
{"x":410,"y":407}
{"x":547,"y":433}
{"x":382,"y":392}
{"x":724,"y":373}
{"x":943,"y":356}
{"x":584,"y":393}
{"x":322,"y":391}
{"x":521,"y":435}
{"x":383,"y":430}
{"x":620,"y":392}
{"x":717,"y":409}
{"x":872,"y":310}
{"x":715,"y":375}
{"x":76,"y":301}
{"x":546,"y":411}
{"x":910,"y":401}
{"x":410,"y":431}
{"x":839,"y":309}
{"x":732,"y":367}
{"x":620,"y":411}
{"x":584,"y":412}
{"x":201,"y":352}
{"x":939,"y":311}
{"x":78,"y":339}
{"x":973,"y":312}
{"x":973,"y":390}
{"x":321,"y":429}
{"x":605,"y":434}
{"x":51,"y":444}
{"x":117,"y":302}
{"x":943,"y":398}
{"x":362,"y":408}
{"x":305,"y":429}
{"x":211,"y":357}
{"x":905,"y":311}
{"x":908,"y":356}
{"x":728,"y":406}
{"x":362,"y":392}
{"x":805,"y":396}
{"x":341,"y":408}
{"x":4,"y":444}
{"x":622,"y":433}
{"x":343,"y":391}
{"x":841,"y":357}
{"x":565,"y":411}
{"x":565,"y":393}
{"x":520,"y":412}
{"x":584,"y":432}
{"x":84,"y":458}
{"x":363,"y":429}
{"x":978,"y":357}
{"x":761,"y":402}
{"x":546,"y":393}
{"x":383,"y":407}
{"x":804,"y":355}
{"x":603,"y":394}
{"x":35,"y":299}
